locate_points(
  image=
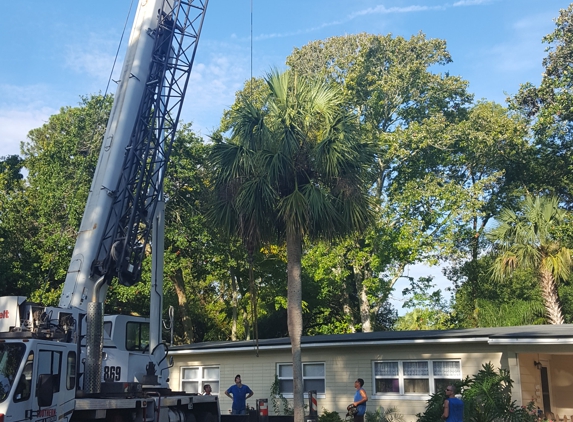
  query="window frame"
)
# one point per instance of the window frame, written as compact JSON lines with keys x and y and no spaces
{"x":137,"y":336}
{"x":200,"y":380}
{"x":320,"y":395}
{"x":401,"y":377}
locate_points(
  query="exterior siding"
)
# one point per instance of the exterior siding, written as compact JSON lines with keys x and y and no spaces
{"x":342,"y":366}
{"x":350,"y":356}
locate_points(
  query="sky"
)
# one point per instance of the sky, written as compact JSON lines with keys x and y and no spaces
{"x":54,"y":52}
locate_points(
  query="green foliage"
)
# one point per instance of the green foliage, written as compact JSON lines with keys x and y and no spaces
{"x":40,"y":218}
{"x":445,"y":167}
{"x":280,"y":404}
{"x":511,"y":314}
{"x":549,"y":108}
{"x":327,"y":416}
{"x":525,"y":238}
{"x":486,"y":396}
{"x":476,"y":292}
{"x":293,"y":168}
{"x":430,"y":311}
{"x":381,"y":414}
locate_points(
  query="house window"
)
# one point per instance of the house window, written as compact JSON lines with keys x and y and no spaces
{"x":313,"y":377}
{"x":414,"y":377}
{"x":194,"y":378}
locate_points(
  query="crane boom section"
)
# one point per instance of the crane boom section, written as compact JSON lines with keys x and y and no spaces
{"x":128,"y":180}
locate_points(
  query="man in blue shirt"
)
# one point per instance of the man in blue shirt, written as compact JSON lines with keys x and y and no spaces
{"x":360,"y":399}
{"x":240,"y":394}
{"x":453,"y":407}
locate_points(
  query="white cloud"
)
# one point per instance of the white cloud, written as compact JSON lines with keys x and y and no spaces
{"x":22,"y":108}
{"x":15,"y":123}
{"x":471,"y":2}
{"x":382,"y":10}
{"x":378,"y":10}
{"x":213,"y":83}
{"x":94,"y":58}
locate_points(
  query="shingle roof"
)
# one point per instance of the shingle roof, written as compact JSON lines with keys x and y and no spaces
{"x":548,"y":334}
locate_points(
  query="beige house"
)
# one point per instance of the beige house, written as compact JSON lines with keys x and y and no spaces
{"x":400,"y":368}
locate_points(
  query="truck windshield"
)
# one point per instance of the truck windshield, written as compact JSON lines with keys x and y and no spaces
{"x":11,"y":355}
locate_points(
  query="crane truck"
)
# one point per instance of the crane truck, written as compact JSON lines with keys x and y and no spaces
{"x":71,"y":362}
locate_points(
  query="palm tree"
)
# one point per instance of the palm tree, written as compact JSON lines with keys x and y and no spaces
{"x":293,"y":168}
{"x":525,"y":239}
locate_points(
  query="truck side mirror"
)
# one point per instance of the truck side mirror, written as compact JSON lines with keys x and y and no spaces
{"x":45,"y":390}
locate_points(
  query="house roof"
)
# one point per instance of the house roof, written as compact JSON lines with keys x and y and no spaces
{"x":528,"y":334}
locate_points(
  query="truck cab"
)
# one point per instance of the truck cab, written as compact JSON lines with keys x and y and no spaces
{"x":38,"y":379}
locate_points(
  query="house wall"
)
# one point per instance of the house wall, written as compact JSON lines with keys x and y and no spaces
{"x":530,"y":380}
{"x":561,"y":382}
{"x":342,"y":365}
{"x":559,"y":362}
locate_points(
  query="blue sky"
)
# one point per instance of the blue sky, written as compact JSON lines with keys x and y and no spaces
{"x":53,"y":52}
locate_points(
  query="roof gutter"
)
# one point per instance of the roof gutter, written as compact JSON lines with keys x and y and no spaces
{"x":332,"y":344}
{"x":532,"y":341}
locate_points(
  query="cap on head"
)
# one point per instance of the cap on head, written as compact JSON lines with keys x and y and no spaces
{"x":237,"y":376}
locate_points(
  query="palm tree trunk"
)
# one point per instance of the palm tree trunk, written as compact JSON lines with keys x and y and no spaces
{"x":550,"y":297}
{"x":179,"y":285}
{"x":294,"y":318}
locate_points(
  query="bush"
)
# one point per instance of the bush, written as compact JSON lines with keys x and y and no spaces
{"x":486,"y":396}
{"x":329,"y":416}
{"x":384,"y":415}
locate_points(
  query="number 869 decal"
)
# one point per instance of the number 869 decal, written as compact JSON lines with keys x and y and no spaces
{"x":111,"y":373}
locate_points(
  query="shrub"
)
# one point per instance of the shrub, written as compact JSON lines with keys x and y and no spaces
{"x":384,"y":415}
{"x":327,"y":416}
{"x":486,"y":396}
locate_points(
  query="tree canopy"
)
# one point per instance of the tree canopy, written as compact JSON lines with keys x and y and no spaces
{"x":361,"y":131}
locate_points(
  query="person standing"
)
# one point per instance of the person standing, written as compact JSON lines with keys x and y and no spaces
{"x":453,"y":407}
{"x":360,"y":399}
{"x":239,"y":393}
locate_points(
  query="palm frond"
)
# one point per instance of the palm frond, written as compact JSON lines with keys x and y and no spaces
{"x":293,"y":210}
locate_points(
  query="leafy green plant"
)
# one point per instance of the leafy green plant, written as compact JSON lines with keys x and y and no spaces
{"x":384,"y":415}
{"x":434,"y":406}
{"x":278,"y":401}
{"x":486,"y":396}
{"x":328,"y":416}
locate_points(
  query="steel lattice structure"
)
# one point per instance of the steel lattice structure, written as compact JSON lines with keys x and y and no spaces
{"x":128,"y":228}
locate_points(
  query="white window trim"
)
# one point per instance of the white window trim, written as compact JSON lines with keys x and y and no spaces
{"x":411,"y":396}
{"x":291,"y":395}
{"x":199,"y":380}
